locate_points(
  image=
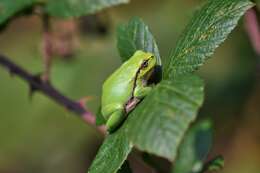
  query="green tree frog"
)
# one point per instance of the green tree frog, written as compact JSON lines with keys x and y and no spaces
{"x":123,"y":90}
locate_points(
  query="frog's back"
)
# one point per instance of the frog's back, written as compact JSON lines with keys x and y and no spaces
{"x":117,"y":89}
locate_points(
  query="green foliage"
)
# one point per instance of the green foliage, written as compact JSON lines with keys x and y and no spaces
{"x":207,"y":29}
{"x":166,"y":118}
{"x":136,"y":36}
{"x":194,"y":149}
{"x":77,"y":8}
{"x":112,"y":153}
{"x":165,"y":114}
{"x":9,"y":8}
{"x":158,"y":124}
{"x":57,"y":8}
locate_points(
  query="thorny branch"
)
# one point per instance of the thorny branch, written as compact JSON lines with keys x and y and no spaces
{"x":37,"y":84}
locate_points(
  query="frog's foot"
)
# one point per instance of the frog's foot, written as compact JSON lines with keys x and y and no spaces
{"x":115,"y":120}
{"x":131,"y":104}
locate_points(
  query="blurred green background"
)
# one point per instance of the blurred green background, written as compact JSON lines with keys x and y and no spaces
{"x":36,"y":134}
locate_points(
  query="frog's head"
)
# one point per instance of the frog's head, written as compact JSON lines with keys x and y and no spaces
{"x":147,"y":62}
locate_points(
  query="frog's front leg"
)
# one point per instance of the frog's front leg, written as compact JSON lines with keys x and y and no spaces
{"x":141,"y":92}
{"x":115,"y":119}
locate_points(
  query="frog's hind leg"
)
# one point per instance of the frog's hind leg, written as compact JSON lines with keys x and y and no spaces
{"x":115,"y":120}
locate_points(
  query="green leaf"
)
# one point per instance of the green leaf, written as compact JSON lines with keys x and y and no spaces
{"x":214,"y":165}
{"x":158,"y":124}
{"x":112,"y":153}
{"x":77,"y":8}
{"x":194,"y":148}
{"x":57,"y":8}
{"x":206,"y":31}
{"x":10,"y":8}
{"x":136,"y":36}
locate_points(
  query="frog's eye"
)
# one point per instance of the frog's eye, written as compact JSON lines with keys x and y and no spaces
{"x":145,"y":63}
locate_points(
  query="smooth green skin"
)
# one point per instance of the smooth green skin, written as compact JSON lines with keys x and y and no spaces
{"x":127,"y":82}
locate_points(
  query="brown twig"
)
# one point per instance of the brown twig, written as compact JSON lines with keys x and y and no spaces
{"x":37,"y":84}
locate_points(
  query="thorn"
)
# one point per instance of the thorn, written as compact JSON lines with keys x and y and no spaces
{"x":11,"y":72}
{"x":83,"y":101}
{"x":32,"y":88}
